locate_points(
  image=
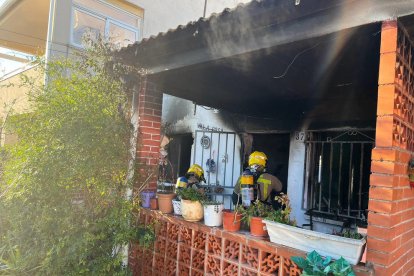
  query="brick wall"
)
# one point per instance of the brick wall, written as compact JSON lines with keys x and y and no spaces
{"x":391,"y":200}
{"x":149,"y":132}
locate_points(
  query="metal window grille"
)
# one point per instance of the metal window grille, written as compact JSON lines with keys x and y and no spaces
{"x":337,"y":174}
{"x":218,"y":152}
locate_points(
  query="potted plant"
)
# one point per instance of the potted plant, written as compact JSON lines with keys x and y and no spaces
{"x":191,"y":208}
{"x":282,"y":231}
{"x":232,"y":219}
{"x":213,"y":213}
{"x":165,"y":195}
{"x":253,"y":216}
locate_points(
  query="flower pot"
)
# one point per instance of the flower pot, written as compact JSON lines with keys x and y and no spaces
{"x":324,"y":244}
{"x":231,"y":221}
{"x":153,"y":204}
{"x":191,"y":210}
{"x":213,"y":214}
{"x":177,"y":206}
{"x":257,"y":227}
{"x":165,"y":202}
{"x":146,"y":197}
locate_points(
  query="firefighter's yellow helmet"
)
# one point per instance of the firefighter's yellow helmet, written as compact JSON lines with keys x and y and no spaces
{"x":257,"y":158}
{"x":198,"y":171}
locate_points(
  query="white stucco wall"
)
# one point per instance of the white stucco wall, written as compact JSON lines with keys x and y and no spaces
{"x":296,"y":179}
{"x":161,"y":15}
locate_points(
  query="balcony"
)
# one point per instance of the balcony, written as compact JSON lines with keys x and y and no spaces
{"x":188,"y":248}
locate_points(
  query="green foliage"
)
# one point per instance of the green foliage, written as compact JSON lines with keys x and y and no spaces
{"x":62,"y":192}
{"x":351,"y":234}
{"x":315,"y":265}
{"x":145,"y":235}
{"x":282,"y":215}
{"x":191,"y":194}
{"x":211,"y":202}
{"x":257,"y":209}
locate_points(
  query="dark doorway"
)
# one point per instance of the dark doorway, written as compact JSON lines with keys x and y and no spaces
{"x":276,"y":147}
{"x":179,"y":153}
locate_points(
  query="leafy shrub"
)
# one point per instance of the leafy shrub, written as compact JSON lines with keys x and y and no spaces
{"x":62,"y":193}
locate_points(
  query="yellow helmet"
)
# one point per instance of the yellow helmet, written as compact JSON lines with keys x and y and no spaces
{"x":257,"y":158}
{"x":198,"y":171}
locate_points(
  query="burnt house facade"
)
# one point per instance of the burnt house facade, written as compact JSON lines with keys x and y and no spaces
{"x":325,"y":89}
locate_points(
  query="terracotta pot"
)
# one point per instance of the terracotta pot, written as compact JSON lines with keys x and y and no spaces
{"x":165,"y":202}
{"x":257,"y":227}
{"x":153,"y":204}
{"x":231,"y":221}
{"x":191,"y":210}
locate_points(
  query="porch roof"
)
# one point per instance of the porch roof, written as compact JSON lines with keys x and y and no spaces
{"x":309,"y":65}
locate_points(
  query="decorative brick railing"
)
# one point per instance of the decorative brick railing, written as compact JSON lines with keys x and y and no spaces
{"x":187,"y":248}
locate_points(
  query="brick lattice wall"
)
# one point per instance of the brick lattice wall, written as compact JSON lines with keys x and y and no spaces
{"x":185,"y":248}
{"x":391,"y":200}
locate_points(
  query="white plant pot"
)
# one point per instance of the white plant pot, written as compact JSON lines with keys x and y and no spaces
{"x":177,"y":207}
{"x":324,"y":244}
{"x":213,"y":215}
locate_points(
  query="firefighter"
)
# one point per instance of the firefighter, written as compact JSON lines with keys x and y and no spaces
{"x":255,"y":183}
{"x":192,"y":178}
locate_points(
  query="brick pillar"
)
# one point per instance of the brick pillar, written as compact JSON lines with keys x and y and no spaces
{"x":391,"y":200}
{"x":149,"y":133}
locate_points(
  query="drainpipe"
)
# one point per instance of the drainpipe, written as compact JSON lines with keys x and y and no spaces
{"x":133,"y":153}
{"x":50,"y":28}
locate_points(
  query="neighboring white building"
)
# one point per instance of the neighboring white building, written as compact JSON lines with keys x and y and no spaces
{"x":56,"y":27}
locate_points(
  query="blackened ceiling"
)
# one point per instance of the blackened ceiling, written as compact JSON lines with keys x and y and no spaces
{"x":312,"y":65}
{"x":330,"y":81}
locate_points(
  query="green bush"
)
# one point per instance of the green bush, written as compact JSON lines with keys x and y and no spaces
{"x":62,"y":193}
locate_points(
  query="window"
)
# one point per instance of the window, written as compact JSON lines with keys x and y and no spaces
{"x":85,"y":24}
{"x":93,"y":17}
{"x":337,"y":174}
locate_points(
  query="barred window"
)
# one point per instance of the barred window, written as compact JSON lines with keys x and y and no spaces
{"x":337,"y":174}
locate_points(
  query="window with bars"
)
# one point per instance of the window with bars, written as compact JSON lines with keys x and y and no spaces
{"x":337,"y":174}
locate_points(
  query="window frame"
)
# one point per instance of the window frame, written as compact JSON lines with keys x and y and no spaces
{"x":107,"y":20}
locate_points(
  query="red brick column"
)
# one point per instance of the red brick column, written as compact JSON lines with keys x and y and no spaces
{"x":149,"y":132}
{"x":391,"y":200}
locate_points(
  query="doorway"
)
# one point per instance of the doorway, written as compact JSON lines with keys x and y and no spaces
{"x":276,"y":147}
